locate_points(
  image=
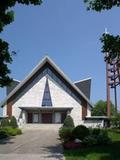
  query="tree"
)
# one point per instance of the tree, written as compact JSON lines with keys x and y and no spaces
{"x":115,"y":121}
{"x":6,"y":17}
{"x":111,"y":44}
{"x":99,"y":5}
{"x":100,"y":108}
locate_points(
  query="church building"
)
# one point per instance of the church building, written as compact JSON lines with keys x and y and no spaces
{"x":47,"y":95}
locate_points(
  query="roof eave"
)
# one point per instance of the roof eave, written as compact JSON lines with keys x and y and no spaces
{"x":35,"y":69}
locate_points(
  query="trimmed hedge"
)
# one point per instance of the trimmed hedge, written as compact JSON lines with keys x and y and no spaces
{"x":68,"y":122}
{"x":13,"y":122}
{"x":13,"y":131}
{"x":3,"y":134}
{"x":5,"y":122}
{"x":97,"y":136}
{"x":9,"y":122}
{"x":66,"y":133}
{"x":9,"y":131}
{"x":88,"y":137}
{"x":80,"y":132}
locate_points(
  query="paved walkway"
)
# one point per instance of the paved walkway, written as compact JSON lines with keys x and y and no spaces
{"x":32,"y":145}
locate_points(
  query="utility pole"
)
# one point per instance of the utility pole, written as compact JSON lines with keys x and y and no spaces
{"x":114,"y":78}
{"x":107,"y":82}
{"x":108,"y":88}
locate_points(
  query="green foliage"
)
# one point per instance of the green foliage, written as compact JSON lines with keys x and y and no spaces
{"x":9,"y":131}
{"x":3,"y":134}
{"x":6,"y":17}
{"x":18,"y":131}
{"x":80,"y":132}
{"x":68,"y":122}
{"x":13,"y":122}
{"x":111,"y":45}
{"x":66,"y":133}
{"x":115,"y":121}
{"x":95,"y":131}
{"x":99,"y":5}
{"x":100,"y":108}
{"x":5,"y":122}
{"x":114,"y":134}
{"x":97,"y":152}
{"x":96,"y":137}
{"x":90,"y":140}
{"x":12,"y":131}
{"x":103,"y":138}
{"x":5,"y":58}
{"x":9,"y":122}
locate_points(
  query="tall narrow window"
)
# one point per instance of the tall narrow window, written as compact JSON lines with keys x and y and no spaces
{"x":46,"y":96}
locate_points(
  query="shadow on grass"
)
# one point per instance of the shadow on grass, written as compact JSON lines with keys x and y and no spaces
{"x":103,"y":152}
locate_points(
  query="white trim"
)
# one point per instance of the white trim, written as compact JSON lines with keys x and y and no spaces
{"x":40,"y":64}
{"x":86,"y":79}
{"x":16,"y":80}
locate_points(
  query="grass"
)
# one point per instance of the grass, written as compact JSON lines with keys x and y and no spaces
{"x":103,"y":152}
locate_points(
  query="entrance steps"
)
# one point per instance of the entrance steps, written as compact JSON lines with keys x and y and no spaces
{"x":34,"y":126}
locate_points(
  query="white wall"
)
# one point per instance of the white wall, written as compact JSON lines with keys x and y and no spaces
{"x":33,"y":94}
{"x":60,"y":98}
{"x":30,"y":97}
{"x":94,"y":123}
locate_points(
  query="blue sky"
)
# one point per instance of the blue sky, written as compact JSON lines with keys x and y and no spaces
{"x":66,"y":32}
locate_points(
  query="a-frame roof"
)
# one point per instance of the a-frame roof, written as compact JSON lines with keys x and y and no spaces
{"x":45,"y":60}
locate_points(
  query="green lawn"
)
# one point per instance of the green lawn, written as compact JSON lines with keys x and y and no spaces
{"x":105,"y":152}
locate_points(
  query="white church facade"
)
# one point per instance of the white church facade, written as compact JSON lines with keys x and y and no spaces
{"x":47,"y":95}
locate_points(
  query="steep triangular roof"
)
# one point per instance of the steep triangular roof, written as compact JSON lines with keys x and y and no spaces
{"x":45,"y":60}
{"x":84,"y":86}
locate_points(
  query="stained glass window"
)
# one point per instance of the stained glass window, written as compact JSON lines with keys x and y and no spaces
{"x":46,"y":96}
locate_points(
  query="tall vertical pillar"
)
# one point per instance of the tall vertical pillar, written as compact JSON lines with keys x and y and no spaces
{"x":107,"y":89}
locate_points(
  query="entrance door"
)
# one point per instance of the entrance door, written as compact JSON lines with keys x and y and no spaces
{"x":35,"y":117}
{"x":46,"y":117}
{"x":57,"y":117}
{"x":30,"y":117}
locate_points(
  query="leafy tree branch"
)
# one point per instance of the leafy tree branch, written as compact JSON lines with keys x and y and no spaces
{"x":7,"y":17}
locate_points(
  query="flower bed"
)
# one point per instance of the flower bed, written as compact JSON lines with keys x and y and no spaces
{"x":82,"y":136}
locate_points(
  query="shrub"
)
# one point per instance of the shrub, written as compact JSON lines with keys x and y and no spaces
{"x":80,"y":132}
{"x":13,"y":122}
{"x":103,"y":137}
{"x":3,"y":134}
{"x":12,"y":131}
{"x":95,"y":131}
{"x":90,"y":140}
{"x":98,"y":136}
{"x":65,"y":133}
{"x":68,"y":122}
{"x":18,"y":131}
{"x":115,"y":121}
{"x":5,"y":122}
